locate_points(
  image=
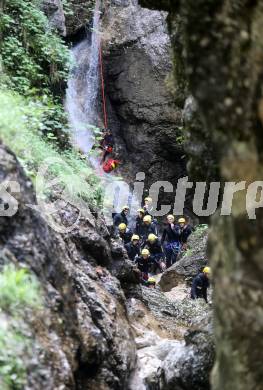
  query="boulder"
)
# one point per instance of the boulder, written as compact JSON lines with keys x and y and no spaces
{"x":190,"y":262}
{"x":168,"y":359}
{"x":189,"y":367}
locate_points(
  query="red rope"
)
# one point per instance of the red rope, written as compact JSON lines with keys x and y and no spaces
{"x":103,"y":90}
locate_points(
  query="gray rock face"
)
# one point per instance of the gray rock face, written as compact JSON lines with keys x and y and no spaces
{"x":70,"y":16}
{"x":167,"y":358}
{"x":189,"y":367}
{"x":55,"y":13}
{"x":79,"y":16}
{"x":225,"y":66}
{"x":199,"y":144}
{"x":84,"y":336}
{"x":146,"y":122}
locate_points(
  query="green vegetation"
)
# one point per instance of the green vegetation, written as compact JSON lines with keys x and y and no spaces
{"x":200,"y":229}
{"x":33,"y":56}
{"x":34,"y":61}
{"x":188,"y":252}
{"x":13,"y":347}
{"x":19,"y":292}
{"x":67,"y":7}
{"x":19,"y":129}
{"x":18,"y":289}
{"x":34,"y":66}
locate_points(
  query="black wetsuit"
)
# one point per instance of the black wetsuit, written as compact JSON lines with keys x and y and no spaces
{"x":200,"y":286}
{"x":126,"y":237}
{"x":185,"y":233}
{"x":146,"y":230}
{"x":171,"y":234}
{"x":120,"y":218}
{"x":156,"y":252}
{"x":145,"y":265}
{"x":132,"y":250}
{"x":138,"y":226}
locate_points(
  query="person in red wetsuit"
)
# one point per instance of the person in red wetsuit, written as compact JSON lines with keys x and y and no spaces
{"x":110,"y":165}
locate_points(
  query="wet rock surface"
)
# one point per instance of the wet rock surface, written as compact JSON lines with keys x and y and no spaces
{"x":190,"y":262}
{"x":55,"y":13}
{"x":146,"y":123}
{"x":89,"y":336}
{"x":224,"y":63}
{"x":170,"y":355}
{"x":68,"y":17}
{"x":84,"y":337}
{"x":79,"y":16}
{"x":88,"y":339}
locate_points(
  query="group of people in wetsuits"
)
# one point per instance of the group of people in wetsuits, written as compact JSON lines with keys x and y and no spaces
{"x":151,"y":250}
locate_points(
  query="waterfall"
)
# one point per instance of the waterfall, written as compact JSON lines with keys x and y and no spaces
{"x":82,"y":101}
{"x":82,"y":91}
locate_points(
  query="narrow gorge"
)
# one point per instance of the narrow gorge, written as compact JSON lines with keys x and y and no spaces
{"x":172,"y":82}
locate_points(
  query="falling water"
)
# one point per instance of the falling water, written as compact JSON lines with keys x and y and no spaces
{"x":82,"y":99}
{"x":82,"y":91}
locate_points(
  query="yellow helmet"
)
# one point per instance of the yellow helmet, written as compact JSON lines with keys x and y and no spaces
{"x":170,"y":216}
{"x":147,"y":218}
{"x":148,"y":199}
{"x":151,"y":280}
{"x":113,"y":165}
{"x":135,"y":237}
{"x":122,"y":226}
{"x":152,"y":237}
{"x":125,"y":208}
{"x":181,"y":220}
{"x":207,"y":270}
{"x":145,"y":252}
{"x":141,"y":211}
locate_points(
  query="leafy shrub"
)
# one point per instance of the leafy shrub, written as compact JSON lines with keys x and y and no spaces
{"x":200,"y":229}
{"x":35,"y":61}
{"x":33,"y":55}
{"x":19,"y":129}
{"x":18,"y":289}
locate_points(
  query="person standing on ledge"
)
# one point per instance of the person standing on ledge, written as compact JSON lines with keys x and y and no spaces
{"x":200,"y":284}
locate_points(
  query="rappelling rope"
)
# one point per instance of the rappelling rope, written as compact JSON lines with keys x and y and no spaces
{"x":103,"y":89}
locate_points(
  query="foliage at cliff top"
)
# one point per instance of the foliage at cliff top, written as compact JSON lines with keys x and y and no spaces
{"x":34,"y":61}
{"x":33,"y":55}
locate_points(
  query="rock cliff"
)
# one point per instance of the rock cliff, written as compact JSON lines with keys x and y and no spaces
{"x":84,"y":334}
{"x":224,"y":63}
{"x":146,"y":121}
